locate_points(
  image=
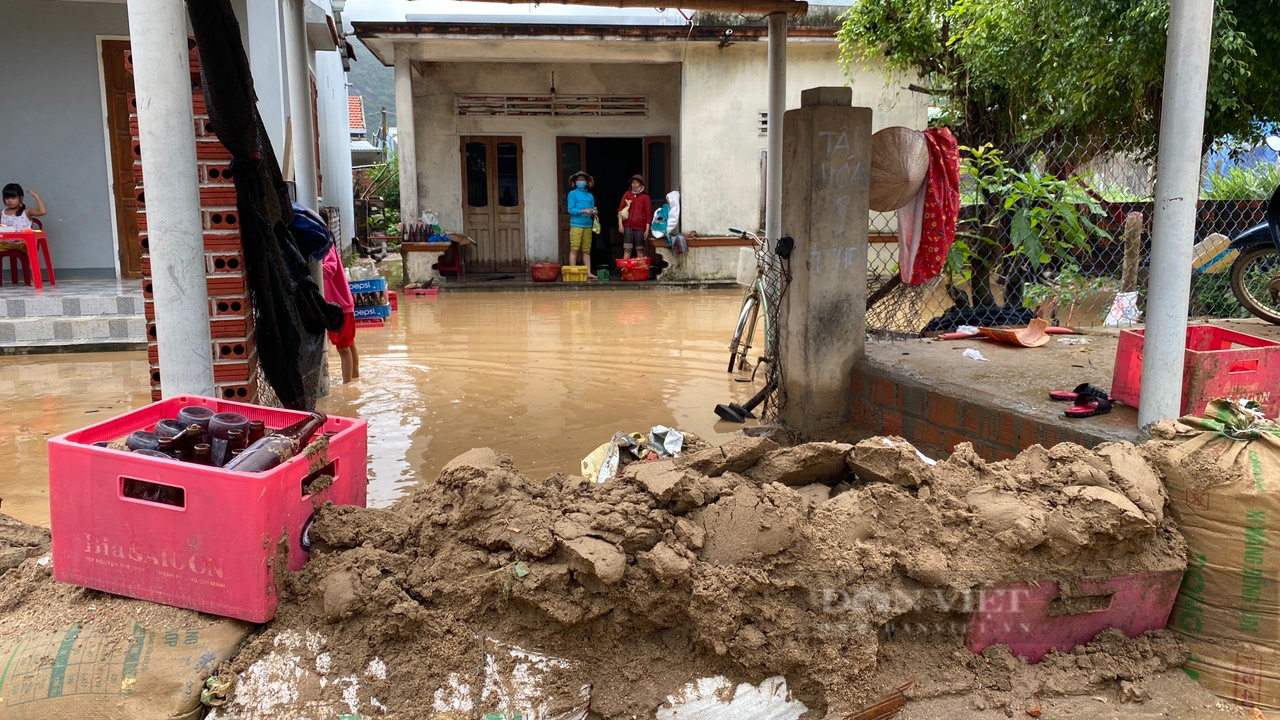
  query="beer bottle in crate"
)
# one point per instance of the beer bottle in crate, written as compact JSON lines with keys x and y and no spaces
{"x":221,"y":426}
{"x":142,"y":440}
{"x":257,"y":431}
{"x":278,"y":447}
{"x":196,"y":415}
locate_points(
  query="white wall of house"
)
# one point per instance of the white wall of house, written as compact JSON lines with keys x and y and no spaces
{"x":438,"y":129}
{"x":265,"y":45}
{"x":52,"y":122}
{"x":335,"y":140}
{"x":725,"y":90}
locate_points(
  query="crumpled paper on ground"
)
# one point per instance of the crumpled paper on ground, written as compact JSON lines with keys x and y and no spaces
{"x":665,"y":441}
{"x":603,"y":463}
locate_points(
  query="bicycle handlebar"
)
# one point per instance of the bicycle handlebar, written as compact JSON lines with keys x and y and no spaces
{"x":760,"y":242}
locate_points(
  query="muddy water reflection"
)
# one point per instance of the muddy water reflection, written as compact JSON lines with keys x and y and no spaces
{"x":542,"y":376}
{"x":47,"y":395}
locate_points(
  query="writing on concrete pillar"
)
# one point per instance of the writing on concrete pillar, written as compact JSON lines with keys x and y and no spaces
{"x":840,"y":172}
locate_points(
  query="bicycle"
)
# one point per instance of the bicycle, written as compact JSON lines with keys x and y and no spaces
{"x":755,"y":301}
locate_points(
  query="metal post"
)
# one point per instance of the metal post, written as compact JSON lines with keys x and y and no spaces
{"x":158,"y":34}
{"x":1186,"y":78}
{"x":777,"y":108}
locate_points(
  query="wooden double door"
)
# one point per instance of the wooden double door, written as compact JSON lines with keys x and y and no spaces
{"x":493,"y":202}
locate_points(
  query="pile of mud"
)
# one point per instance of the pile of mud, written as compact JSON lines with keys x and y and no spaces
{"x":746,"y":561}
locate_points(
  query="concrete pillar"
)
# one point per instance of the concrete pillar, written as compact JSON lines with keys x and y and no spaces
{"x":267,"y":62}
{"x":825,"y":184}
{"x":297,"y":51}
{"x":406,"y":145}
{"x":162,"y":81}
{"x":777,"y":108}
{"x":1186,"y":79}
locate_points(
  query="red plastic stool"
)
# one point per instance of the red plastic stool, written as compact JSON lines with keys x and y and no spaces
{"x":16,"y":258}
{"x":451,"y":261}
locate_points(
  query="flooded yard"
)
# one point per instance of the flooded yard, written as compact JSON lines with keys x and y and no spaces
{"x":542,"y":376}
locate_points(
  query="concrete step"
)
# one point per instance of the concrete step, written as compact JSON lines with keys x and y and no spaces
{"x":30,"y":331}
{"x":71,"y":306}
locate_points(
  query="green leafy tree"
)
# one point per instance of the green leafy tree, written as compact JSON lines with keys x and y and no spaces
{"x":1079,"y":76}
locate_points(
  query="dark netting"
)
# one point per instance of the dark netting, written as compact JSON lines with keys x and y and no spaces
{"x":290,"y":313}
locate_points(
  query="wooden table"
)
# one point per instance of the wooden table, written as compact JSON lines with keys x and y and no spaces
{"x":30,"y":238}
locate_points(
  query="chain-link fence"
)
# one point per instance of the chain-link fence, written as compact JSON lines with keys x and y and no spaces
{"x":775,"y":257}
{"x":1063,"y":232}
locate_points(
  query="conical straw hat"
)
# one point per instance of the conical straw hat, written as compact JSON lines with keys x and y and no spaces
{"x":899,"y":163}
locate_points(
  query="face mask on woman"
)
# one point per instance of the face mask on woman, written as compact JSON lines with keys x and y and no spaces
{"x":582,"y":184}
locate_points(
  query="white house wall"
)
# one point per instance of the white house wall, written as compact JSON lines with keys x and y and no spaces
{"x":335,"y":139}
{"x":265,"y":46}
{"x":438,"y":129}
{"x":724,"y":91}
{"x":52,"y":117}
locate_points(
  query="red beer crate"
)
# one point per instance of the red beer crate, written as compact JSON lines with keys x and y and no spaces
{"x":215,"y":546}
{"x":1219,"y":363}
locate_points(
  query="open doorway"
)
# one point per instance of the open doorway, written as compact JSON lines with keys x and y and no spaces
{"x":611,"y":161}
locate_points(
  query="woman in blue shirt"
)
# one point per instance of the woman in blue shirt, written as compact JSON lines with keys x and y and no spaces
{"x":582,"y":215}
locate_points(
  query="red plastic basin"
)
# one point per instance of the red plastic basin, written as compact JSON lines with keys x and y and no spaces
{"x":545,"y":272}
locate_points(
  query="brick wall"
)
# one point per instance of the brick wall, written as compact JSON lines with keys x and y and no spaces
{"x":235,"y":356}
{"x":937,"y":418}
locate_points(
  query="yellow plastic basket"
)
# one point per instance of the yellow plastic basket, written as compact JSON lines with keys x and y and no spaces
{"x":574,"y":273}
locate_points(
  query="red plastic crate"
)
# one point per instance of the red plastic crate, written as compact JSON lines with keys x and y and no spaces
{"x":1023,"y":616}
{"x":635,"y":274}
{"x":218,"y":551}
{"x":1220,"y":363}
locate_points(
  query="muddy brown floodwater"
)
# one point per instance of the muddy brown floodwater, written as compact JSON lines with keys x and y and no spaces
{"x":544,"y":377}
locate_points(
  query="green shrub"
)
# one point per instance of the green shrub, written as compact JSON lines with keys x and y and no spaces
{"x":1238,"y":183}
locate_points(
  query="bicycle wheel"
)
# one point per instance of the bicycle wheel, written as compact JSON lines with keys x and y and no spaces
{"x":742,"y":334}
{"x":1255,"y":280}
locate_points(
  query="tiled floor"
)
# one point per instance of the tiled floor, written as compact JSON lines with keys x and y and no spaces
{"x":72,"y":313}
{"x":71,"y":288}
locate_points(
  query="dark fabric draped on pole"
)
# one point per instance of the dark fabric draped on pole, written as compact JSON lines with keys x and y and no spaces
{"x":290,"y":313}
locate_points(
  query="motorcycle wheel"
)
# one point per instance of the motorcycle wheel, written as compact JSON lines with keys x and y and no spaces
{"x":1255,"y":281}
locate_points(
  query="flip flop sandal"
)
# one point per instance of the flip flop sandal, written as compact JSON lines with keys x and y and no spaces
{"x":1088,"y":406}
{"x":1081,"y":389}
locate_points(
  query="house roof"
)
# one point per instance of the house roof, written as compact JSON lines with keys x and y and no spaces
{"x":446,"y":27}
{"x":461,"y":40}
{"x":743,"y":7}
{"x":355,"y":111}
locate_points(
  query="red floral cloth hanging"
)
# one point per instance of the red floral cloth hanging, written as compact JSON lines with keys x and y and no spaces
{"x":937,"y":225}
